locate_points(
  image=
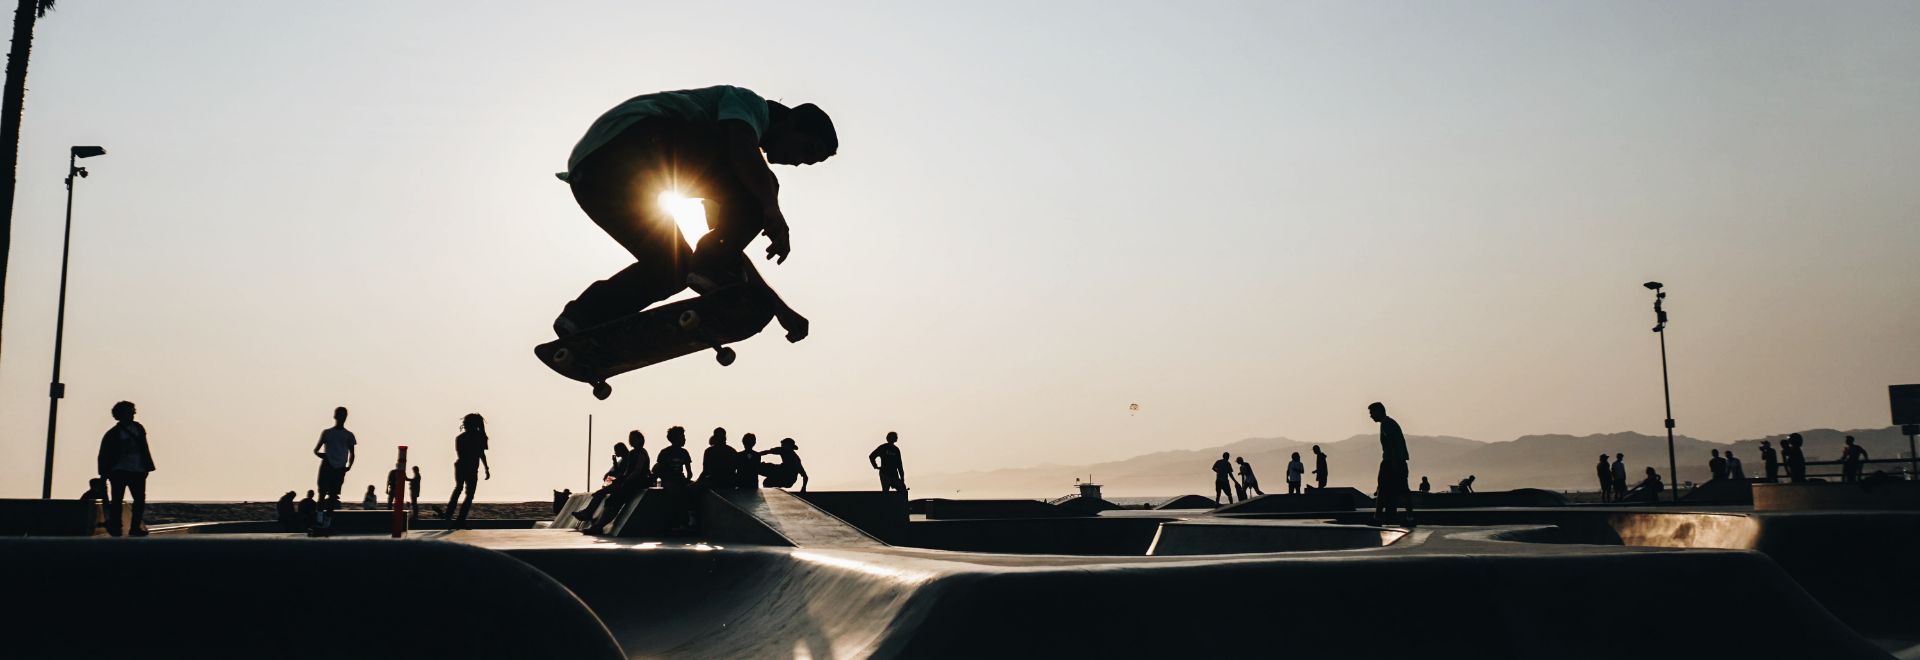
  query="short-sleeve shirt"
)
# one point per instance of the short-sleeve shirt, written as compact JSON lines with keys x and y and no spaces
{"x":707,"y":106}
{"x":336,"y":443}
{"x":1393,"y":443}
{"x":1223,"y":468}
{"x":468,"y":447}
{"x":889,"y":456}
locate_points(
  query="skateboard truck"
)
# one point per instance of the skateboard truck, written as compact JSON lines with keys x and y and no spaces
{"x":691,"y":319}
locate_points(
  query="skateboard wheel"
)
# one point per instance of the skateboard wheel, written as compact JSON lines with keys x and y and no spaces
{"x":724,"y":355}
{"x":562,"y":356}
{"x":602,"y":390}
{"x":689,"y":319}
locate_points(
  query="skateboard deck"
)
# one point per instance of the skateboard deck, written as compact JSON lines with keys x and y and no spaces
{"x":655,"y":335}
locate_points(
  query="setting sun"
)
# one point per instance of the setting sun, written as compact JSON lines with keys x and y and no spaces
{"x":687,"y":212}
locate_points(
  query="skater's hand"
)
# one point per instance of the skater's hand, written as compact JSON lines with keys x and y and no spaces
{"x":778,"y":248}
{"x":489,"y":476}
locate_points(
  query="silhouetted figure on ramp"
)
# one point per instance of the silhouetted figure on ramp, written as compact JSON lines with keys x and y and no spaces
{"x":1647,"y":491}
{"x":1770,"y":460}
{"x":717,"y":463}
{"x":285,"y":513}
{"x":1223,"y":479}
{"x":470,"y":456}
{"x":1247,"y":480}
{"x":1391,"y":486}
{"x":789,"y":469}
{"x":1465,"y":485}
{"x":636,"y":476}
{"x":1716,"y":467}
{"x":886,"y":459}
{"x":370,"y":502}
{"x":1735,"y":470}
{"x":1319,"y":468}
{"x":308,"y":511}
{"x":336,"y":452}
{"x":697,"y":143}
{"x":674,"y":470}
{"x":1619,"y":476}
{"x":1852,"y":459}
{"x":1605,"y":472}
{"x":124,"y":461}
{"x":1294,"y":471}
{"x":614,"y":470}
{"x":1795,"y":459}
{"x":413,"y":492}
{"x":1425,"y":486}
{"x":746,"y":464}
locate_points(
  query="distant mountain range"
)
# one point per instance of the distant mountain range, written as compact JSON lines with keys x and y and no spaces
{"x":1554,"y":462}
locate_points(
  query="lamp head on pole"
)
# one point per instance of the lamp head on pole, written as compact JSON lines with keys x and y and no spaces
{"x":1659,"y":311}
{"x":88,"y":152}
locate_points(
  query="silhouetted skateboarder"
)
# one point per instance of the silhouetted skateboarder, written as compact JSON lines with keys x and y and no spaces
{"x":886,"y":459}
{"x":1319,"y":468}
{"x":1249,"y":484}
{"x":470,"y":454}
{"x":697,"y":143}
{"x":1391,"y":486}
{"x":1223,"y":479}
{"x":336,"y":451}
{"x":789,"y":469}
{"x":124,"y":461}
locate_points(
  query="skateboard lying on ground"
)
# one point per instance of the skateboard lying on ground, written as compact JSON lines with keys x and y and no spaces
{"x":659,"y":334}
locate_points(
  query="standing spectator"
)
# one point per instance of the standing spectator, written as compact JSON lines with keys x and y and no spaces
{"x":1734,"y":470}
{"x":1619,"y":476}
{"x":335,"y":450}
{"x":1319,"y":467}
{"x":1795,"y":459}
{"x":1222,"y":479}
{"x":1605,"y":473}
{"x":124,"y":461}
{"x":1716,"y":467}
{"x":1771,"y":460}
{"x":1852,"y":459}
{"x":470,"y":454}
{"x":413,"y":492}
{"x":1247,"y":480}
{"x":371,"y":502}
{"x":395,"y":489}
{"x":886,"y":459}
{"x":1391,"y":486}
{"x":1294,"y":470}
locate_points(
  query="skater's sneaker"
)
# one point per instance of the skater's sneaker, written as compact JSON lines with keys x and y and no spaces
{"x":565,"y":327}
{"x":796,"y":326}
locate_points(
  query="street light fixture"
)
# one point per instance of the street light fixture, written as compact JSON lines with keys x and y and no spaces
{"x":1666,"y":386}
{"x":57,"y":389}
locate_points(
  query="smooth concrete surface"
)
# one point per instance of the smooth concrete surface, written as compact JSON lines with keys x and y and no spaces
{"x":74,"y":517}
{"x":1720,"y":491}
{"x":1129,"y":535}
{"x":1227,"y":536}
{"x":287,"y":597}
{"x":882,"y":514}
{"x":774,"y":517}
{"x":1494,"y":498}
{"x":938,"y":509}
{"x":1186,"y":502}
{"x":1325,"y":500}
{"x":1875,"y":495}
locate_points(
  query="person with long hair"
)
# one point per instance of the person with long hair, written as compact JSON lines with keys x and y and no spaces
{"x":470,"y":455}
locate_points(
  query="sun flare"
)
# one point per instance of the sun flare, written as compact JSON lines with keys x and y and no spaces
{"x":687,"y":212}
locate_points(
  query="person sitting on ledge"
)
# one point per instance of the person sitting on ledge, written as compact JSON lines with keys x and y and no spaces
{"x":789,"y":469}
{"x":1465,"y":486}
{"x":1648,"y":490}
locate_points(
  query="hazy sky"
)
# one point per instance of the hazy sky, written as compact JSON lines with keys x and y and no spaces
{"x":1249,"y":218}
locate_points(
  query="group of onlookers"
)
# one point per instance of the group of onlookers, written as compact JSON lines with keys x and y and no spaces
{"x":1790,"y":459}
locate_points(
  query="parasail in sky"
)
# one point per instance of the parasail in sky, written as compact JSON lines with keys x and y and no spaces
{"x":1133,"y":408}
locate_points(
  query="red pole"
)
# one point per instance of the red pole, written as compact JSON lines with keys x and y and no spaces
{"x":399,"y":486}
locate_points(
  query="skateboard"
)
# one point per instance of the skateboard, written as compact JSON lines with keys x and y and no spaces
{"x":655,"y":335}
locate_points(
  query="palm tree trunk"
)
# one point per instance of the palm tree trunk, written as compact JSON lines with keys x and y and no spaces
{"x":12,"y":104}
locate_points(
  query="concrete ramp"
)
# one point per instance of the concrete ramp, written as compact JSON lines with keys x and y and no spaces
{"x":775,"y":517}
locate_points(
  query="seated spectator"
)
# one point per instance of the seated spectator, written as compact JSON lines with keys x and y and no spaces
{"x":1648,"y":490}
{"x":285,"y":513}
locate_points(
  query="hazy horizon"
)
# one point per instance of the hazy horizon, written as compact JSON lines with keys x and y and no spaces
{"x":1249,"y":218}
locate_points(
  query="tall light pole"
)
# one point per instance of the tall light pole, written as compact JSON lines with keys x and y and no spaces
{"x":57,"y":389}
{"x":1666,"y":386}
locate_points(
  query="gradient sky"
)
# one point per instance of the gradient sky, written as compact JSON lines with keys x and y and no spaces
{"x":1249,"y":218}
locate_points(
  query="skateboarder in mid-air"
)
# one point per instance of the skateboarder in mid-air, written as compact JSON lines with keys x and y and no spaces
{"x":698,"y":143}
